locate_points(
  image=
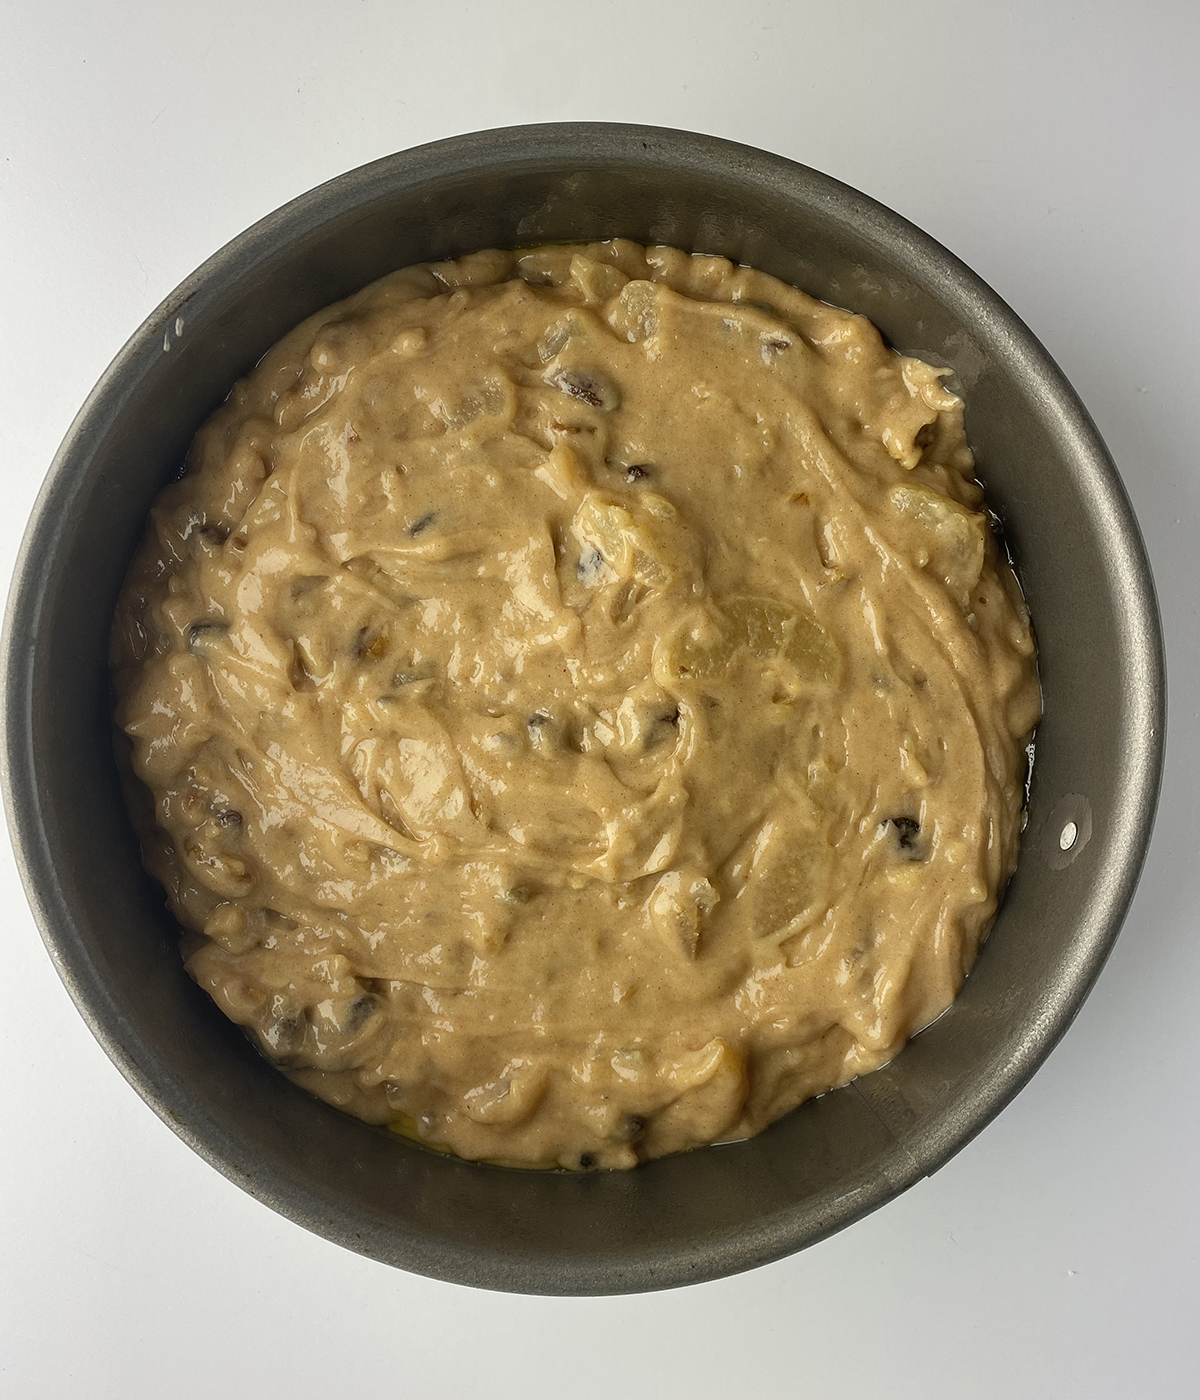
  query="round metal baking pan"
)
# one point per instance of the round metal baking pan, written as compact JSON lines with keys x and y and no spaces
{"x":719,"y":1209}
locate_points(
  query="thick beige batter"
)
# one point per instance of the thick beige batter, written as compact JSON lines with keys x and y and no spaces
{"x":584,"y":704}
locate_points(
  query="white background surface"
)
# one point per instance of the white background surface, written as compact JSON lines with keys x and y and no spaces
{"x":1052,"y":146}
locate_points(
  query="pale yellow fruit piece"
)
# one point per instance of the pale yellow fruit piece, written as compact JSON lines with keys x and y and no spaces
{"x":788,"y":882}
{"x":340,"y":1027}
{"x":766,"y":628}
{"x":609,"y":529}
{"x":225,"y":874}
{"x":951,"y":537}
{"x":229,"y":926}
{"x":760,"y":624}
{"x":564,"y":473}
{"x":632,"y":548}
{"x":634,"y":314}
{"x":703,"y":651}
{"x":678,"y":906}
{"x":813,"y":651}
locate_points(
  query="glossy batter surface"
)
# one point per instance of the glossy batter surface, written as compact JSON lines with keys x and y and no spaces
{"x":584,"y":705}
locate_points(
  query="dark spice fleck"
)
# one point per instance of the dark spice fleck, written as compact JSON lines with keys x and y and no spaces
{"x":636,"y":473}
{"x":662,"y":730}
{"x":591,"y":563}
{"x":359,"y":1012}
{"x":581,"y":387}
{"x":211,"y":533}
{"x":907,"y":831}
{"x":200,"y":632}
{"x":366,"y":645}
{"x":1000,"y":532}
{"x":307,"y":584}
{"x":586,"y":388}
{"x":586,"y":1161}
{"x":422,"y":524}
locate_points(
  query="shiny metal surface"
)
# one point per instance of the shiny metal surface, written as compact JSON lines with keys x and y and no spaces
{"x":715,"y":1211}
